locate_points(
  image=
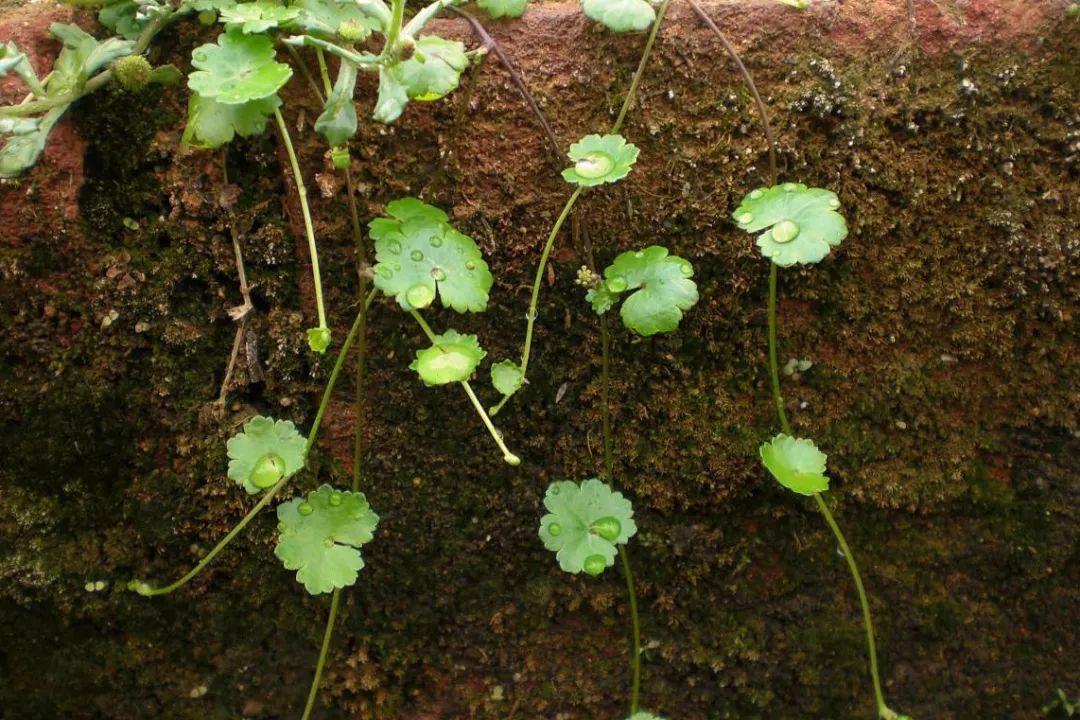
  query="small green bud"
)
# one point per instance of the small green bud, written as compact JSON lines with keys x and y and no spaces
{"x":352,"y":31}
{"x":132,"y":72}
{"x":339,"y":156}
{"x":318,"y":339}
{"x":208,"y":17}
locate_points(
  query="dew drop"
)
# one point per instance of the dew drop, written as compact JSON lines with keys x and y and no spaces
{"x":268,"y":470}
{"x":790,"y":187}
{"x":745,"y":218}
{"x":554,"y":490}
{"x":394,"y":247}
{"x":282,"y":527}
{"x":594,"y":165}
{"x":785,"y":231}
{"x":470,"y":265}
{"x":607,"y":528}
{"x":436,"y":241}
{"x":615,"y":284}
{"x":335,"y":499}
{"x":555,"y":529}
{"x":595,"y":564}
{"x":384,"y":271}
{"x":687,"y":269}
{"x":419,"y":296}
{"x":305,"y":508}
{"x":416,"y":255}
{"x":756,"y":194}
{"x":438,"y":273}
{"x":328,"y":542}
{"x":834,"y":203}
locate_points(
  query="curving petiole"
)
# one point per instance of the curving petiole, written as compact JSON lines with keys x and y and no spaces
{"x":509,"y":457}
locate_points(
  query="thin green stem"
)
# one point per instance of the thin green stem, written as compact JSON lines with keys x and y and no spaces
{"x":397,"y":16}
{"x":774,"y":366}
{"x":324,"y":71}
{"x":313,"y":692}
{"x":144,"y":589}
{"x":635,"y":627}
{"x":308,"y":227}
{"x":509,"y":457}
{"x":879,"y":696}
{"x":640,"y":72}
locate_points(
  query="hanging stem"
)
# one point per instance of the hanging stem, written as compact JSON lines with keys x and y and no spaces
{"x":635,"y":627}
{"x":605,"y":398}
{"x":144,"y":589}
{"x":324,"y":71}
{"x":774,"y":367}
{"x":879,"y":696}
{"x":308,"y":228}
{"x":530,"y":319}
{"x":509,"y":457}
{"x":313,"y":692}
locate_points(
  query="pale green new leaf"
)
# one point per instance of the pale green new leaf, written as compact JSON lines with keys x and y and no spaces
{"x":438,"y":73}
{"x":503,"y":8}
{"x":801,"y":224}
{"x":326,"y":17}
{"x":258,"y":16}
{"x":80,"y":58}
{"x":662,"y":285}
{"x":584,"y":524}
{"x":211,"y":124}
{"x":122,"y":17}
{"x":507,"y":377}
{"x":453,"y":357}
{"x":620,"y":15}
{"x":338,"y":123}
{"x":419,"y":255}
{"x":600,"y":159}
{"x":238,"y":69}
{"x":264,"y":452}
{"x":796,"y":464}
{"x":320,"y":537}
{"x":392,"y":98}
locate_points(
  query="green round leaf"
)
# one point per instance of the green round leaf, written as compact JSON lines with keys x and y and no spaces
{"x":507,"y":377}
{"x":600,"y":159}
{"x":438,"y":73}
{"x":584,"y":524}
{"x":801,"y":224}
{"x":238,"y":69}
{"x":662,"y":285}
{"x":325,"y":18}
{"x":265,"y":443}
{"x":620,"y":15}
{"x":503,"y":8}
{"x":211,"y":124}
{"x":796,"y":463}
{"x":416,"y":248}
{"x":258,"y":16}
{"x":452,"y":358}
{"x":320,"y":537}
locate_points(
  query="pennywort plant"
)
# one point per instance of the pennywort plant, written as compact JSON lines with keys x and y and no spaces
{"x":799,"y":225}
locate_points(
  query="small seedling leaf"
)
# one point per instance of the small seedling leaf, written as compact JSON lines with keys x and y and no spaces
{"x":600,"y":159}
{"x":453,"y":357}
{"x":237,"y":69}
{"x":266,"y":451}
{"x":796,"y":463}
{"x":801,"y":224}
{"x":320,"y":537}
{"x":662,"y":289}
{"x":211,"y":124}
{"x":620,"y":15}
{"x":507,"y":377}
{"x":584,"y":524}
{"x":419,"y":255}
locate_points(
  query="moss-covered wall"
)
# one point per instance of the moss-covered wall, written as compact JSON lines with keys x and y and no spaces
{"x":944,"y":387}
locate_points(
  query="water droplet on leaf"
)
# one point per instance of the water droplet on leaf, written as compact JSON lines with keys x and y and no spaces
{"x":394,"y":247}
{"x":756,"y":194}
{"x":595,"y":564}
{"x":615,"y":284}
{"x":305,"y":508}
{"x":438,"y":273}
{"x":416,"y":255}
{"x":554,"y":529}
{"x":790,"y":187}
{"x":470,"y":265}
{"x":785,"y":231}
{"x":834,"y":203}
{"x":745,"y":218}
{"x":419,"y":296}
{"x":335,"y":499}
{"x":436,"y":241}
{"x":607,"y":528}
{"x":594,"y":165}
{"x":268,"y":470}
